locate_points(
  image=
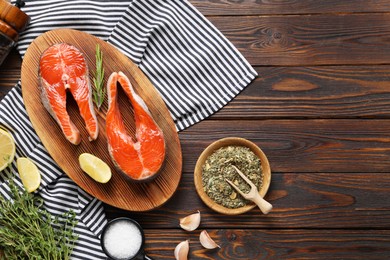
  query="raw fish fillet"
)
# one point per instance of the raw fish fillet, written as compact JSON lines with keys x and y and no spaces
{"x":61,"y":67}
{"x":139,"y":159}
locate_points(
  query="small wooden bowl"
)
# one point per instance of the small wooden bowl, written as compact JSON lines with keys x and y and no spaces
{"x":230,"y":141}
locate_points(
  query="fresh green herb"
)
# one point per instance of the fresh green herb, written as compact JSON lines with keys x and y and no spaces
{"x":218,"y":167}
{"x":99,"y":92}
{"x":27,"y":231}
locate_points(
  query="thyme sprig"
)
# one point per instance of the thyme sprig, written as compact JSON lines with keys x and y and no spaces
{"x":27,"y":231}
{"x":99,"y":92}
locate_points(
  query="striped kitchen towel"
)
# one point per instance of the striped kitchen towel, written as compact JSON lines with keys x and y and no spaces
{"x":194,"y":67}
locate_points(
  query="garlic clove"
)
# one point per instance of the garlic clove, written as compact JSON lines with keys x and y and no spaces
{"x":206,"y":240}
{"x":181,"y":250}
{"x":191,"y":222}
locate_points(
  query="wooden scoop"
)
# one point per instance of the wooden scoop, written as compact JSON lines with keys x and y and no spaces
{"x":253,"y":194}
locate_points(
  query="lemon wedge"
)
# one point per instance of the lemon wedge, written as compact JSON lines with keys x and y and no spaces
{"x":7,"y":149}
{"x":29,"y":174}
{"x":95,"y":167}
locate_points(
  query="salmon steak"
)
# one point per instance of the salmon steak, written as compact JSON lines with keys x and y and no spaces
{"x":63,"y":67}
{"x":139,"y":159}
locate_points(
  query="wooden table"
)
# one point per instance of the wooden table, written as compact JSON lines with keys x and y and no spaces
{"x":320,"y":110}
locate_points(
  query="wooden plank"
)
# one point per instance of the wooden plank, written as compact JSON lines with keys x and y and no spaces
{"x":274,"y":244}
{"x":309,"y":39}
{"x":4,"y":91}
{"x":300,"y":200}
{"x":9,"y":72}
{"x":297,"y":92}
{"x":322,"y":145}
{"x":313,"y":92}
{"x":9,"y":77}
{"x":306,"y":39}
{"x":251,"y":7}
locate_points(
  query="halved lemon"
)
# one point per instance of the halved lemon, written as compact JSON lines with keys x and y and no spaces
{"x":96,"y":168}
{"x":29,"y":174}
{"x":7,"y":149}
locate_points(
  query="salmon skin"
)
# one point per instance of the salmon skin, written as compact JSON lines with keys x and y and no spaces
{"x":139,"y":159}
{"x":62,"y":67}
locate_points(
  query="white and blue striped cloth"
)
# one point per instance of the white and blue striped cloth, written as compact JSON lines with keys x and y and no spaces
{"x":194,"y":67}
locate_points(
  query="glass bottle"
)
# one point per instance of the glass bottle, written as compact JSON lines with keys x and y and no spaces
{"x":12,"y":22}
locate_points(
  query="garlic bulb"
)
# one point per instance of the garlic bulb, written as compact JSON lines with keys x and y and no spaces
{"x":191,"y":222}
{"x":206,"y":240}
{"x":181,"y":250}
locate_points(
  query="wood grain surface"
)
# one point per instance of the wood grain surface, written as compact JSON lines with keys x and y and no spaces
{"x":288,"y":7}
{"x":119,"y":191}
{"x":318,"y":145}
{"x":320,"y":111}
{"x":303,"y":40}
{"x":276,"y":244}
{"x":300,"y":200}
{"x":338,"y":92}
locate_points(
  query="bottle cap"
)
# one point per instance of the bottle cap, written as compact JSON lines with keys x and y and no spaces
{"x":13,"y":16}
{"x":8,"y":31}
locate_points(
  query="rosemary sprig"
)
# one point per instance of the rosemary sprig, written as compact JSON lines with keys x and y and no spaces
{"x":99,"y":91}
{"x":27,"y":231}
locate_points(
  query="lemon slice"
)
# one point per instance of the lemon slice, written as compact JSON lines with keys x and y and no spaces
{"x":95,"y":167}
{"x":7,"y":149}
{"x":29,"y":174}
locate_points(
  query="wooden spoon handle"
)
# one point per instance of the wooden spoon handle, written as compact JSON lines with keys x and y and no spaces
{"x":264,"y":205}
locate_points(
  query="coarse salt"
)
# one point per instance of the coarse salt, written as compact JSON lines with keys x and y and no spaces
{"x":123,"y":239}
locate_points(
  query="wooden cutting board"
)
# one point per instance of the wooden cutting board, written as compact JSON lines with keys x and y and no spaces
{"x":118,"y":192}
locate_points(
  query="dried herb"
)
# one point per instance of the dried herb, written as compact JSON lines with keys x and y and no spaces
{"x":218,"y":167}
{"x":100,"y":91}
{"x":27,"y":231}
